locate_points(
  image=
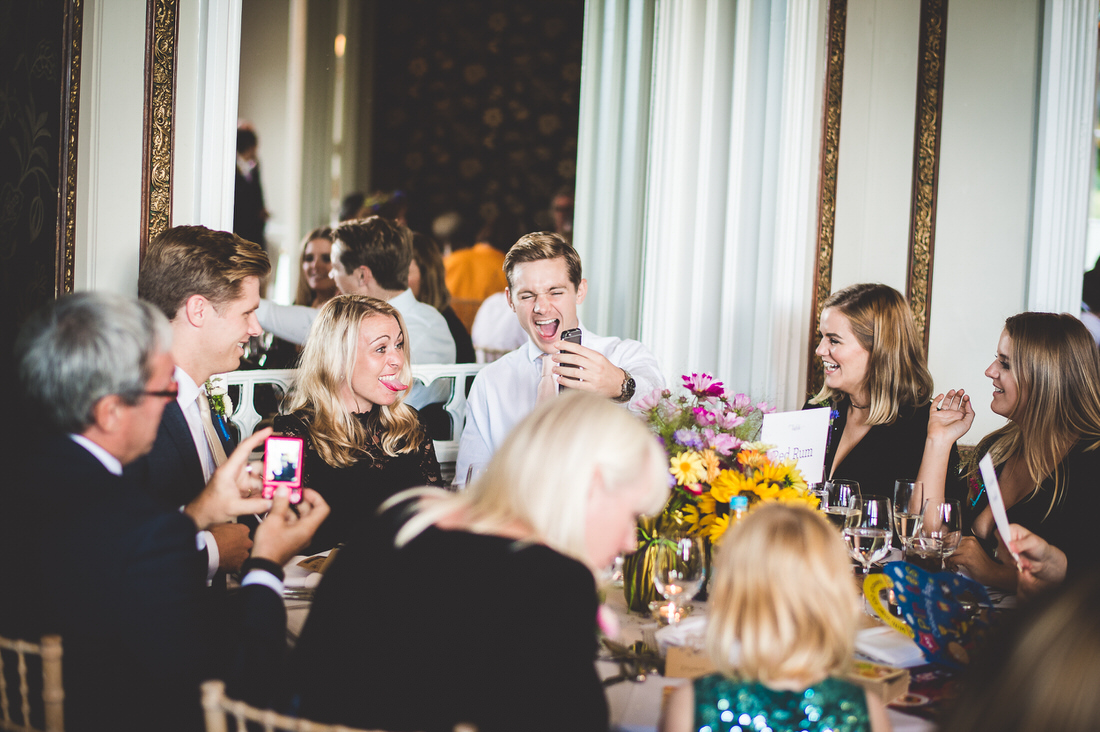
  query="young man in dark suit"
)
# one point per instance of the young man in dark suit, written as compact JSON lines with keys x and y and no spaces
{"x":107,"y":566}
{"x":207,"y":283}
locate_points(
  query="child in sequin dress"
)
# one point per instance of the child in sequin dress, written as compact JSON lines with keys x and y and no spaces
{"x":782,"y":621}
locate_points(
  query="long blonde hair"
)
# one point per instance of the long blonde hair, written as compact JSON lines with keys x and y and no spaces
{"x":1057,"y":370}
{"x":783,"y":590}
{"x":324,"y":373}
{"x":305,"y":294}
{"x":897,"y":371}
{"x":594,"y":445}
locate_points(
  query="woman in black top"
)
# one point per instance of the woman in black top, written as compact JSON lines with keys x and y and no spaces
{"x":1046,"y":382}
{"x":481,"y":606}
{"x":363,"y":444}
{"x":878,"y":387}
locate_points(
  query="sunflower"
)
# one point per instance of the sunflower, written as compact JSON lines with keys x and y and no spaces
{"x":687,"y":467}
{"x":713,"y":527}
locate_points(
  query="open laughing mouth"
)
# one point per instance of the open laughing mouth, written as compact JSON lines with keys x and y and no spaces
{"x":548,"y":329}
{"x":830,"y":367}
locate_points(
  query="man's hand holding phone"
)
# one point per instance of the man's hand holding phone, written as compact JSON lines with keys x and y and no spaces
{"x":287,"y":531}
{"x":232,"y":490}
{"x":587,"y":370}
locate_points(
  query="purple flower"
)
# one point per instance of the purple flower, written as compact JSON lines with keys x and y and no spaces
{"x":703,"y":385}
{"x":725,"y":443}
{"x":740,"y":402}
{"x":704,"y":415}
{"x":688,"y":439}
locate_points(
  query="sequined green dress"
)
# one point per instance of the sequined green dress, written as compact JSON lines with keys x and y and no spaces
{"x":723,"y":704}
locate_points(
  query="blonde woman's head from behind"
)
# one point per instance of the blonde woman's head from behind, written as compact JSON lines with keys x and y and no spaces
{"x":575,"y":474}
{"x":783,"y":590}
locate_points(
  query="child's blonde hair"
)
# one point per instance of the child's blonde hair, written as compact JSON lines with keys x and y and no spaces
{"x":782,"y":589}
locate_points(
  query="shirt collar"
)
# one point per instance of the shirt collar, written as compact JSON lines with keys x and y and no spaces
{"x":403,"y":300}
{"x":109,"y":461}
{"x":189,"y":390}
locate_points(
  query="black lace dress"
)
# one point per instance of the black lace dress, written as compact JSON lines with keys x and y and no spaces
{"x":355,"y":492}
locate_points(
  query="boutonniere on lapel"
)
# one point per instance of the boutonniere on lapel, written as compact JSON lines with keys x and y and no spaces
{"x":220,"y":404}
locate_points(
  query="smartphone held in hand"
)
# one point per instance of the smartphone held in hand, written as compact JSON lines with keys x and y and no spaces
{"x":283,"y":457}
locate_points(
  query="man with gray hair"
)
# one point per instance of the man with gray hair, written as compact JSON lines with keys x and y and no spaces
{"x":108,"y":567}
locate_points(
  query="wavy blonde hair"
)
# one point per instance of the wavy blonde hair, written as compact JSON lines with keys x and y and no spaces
{"x":783,"y":590}
{"x":596,"y":446}
{"x":1057,"y":370}
{"x":324,"y":374}
{"x":897,"y":371}
{"x":305,"y":294}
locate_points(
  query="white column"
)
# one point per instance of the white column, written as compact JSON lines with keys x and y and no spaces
{"x":207,"y":80}
{"x":1063,"y":155}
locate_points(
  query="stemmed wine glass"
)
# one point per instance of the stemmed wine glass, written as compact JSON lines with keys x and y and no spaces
{"x":868,"y":531}
{"x":908,"y":510}
{"x":678,"y":571}
{"x":943,"y":527}
{"x":840,"y":500}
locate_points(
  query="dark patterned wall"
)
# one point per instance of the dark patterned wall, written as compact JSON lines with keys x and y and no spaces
{"x":31,"y":77}
{"x":476,"y":104}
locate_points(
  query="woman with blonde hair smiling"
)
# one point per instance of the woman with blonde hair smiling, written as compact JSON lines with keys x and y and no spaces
{"x":1046,"y":382}
{"x":363,"y":443}
{"x":481,"y":606}
{"x":781,"y":624}
{"x":878,"y":387}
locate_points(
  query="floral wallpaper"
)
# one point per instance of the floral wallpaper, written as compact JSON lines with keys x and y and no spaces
{"x":30,"y":120}
{"x":476,"y":105}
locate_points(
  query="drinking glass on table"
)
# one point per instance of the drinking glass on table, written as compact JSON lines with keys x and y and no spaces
{"x":943,"y":522}
{"x":474,"y":471}
{"x":908,"y":510}
{"x":840,"y":500}
{"x":868,"y":531}
{"x":678,"y":571}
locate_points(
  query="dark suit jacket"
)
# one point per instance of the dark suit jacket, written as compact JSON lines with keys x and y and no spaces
{"x":171,"y":472}
{"x":117,"y":575}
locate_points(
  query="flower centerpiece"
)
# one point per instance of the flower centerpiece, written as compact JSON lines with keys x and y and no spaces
{"x":709,"y":437}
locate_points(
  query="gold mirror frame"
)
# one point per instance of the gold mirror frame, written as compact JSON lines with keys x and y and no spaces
{"x":161,"y":41}
{"x":932,"y":48}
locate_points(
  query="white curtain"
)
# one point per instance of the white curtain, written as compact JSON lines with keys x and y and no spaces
{"x":726,"y":243}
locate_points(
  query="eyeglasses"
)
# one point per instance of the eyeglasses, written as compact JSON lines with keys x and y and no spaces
{"x":172,"y":393}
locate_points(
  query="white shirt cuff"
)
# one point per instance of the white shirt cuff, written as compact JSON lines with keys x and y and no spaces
{"x":213,"y":556}
{"x":263,"y":577}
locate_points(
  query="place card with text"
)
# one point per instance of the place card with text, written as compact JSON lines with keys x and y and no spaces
{"x":799,"y":436}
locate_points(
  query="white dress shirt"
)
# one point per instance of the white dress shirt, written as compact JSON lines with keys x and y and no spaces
{"x":504,"y":392}
{"x":188,"y":393}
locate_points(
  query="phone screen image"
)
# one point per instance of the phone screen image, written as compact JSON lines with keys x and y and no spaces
{"x":283,"y":466}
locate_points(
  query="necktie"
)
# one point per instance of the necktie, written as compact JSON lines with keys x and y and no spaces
{"x":548,"y":388}
{"x":212,"y":438}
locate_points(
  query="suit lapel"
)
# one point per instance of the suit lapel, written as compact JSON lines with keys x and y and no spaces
{"x":174,"y":425}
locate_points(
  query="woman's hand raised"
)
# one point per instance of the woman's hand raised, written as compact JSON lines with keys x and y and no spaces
{"x":950,"y":417}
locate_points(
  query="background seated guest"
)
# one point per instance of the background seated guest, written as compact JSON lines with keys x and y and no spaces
{"x":427,"y":282}
{"x":1046,"y":382}
{"x":496,"y":330}
{"x":545,"y":287}
{"x":363,"y":443}
{"x":1042,"y":672}
{"x":103,"y":563}
{"x":474,"y":268}
{"x":315,"y":285}
{"x":480,"y":606}
{"x":878,"y":386}
{"x":784,"y":605}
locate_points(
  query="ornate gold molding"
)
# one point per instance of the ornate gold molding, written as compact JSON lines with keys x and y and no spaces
{"x":72,"y":35}
{"x":926,"y":160}
{"x":826,"y":187}
{"x":161,"y":35}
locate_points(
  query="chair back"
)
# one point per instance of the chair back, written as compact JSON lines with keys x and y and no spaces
{"x":53,"y":694}
{"x":217,"y":706}
{"x":452,"y":380}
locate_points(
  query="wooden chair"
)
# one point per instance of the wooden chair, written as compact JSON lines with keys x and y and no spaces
{"x":216,"y":705}
{"x":53,"y":695}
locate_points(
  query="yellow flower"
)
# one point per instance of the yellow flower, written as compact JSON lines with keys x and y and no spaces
{"x":773,"y":474}
{"x":710,"y":460}
{"x":687,"y":467}
{"x":728,"y":484}
{"x":714,"y":527}
{"x":752,"y":458}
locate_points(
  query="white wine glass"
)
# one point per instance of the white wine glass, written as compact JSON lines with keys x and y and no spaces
{"x":943,"y":526}
{"x":908,"y":510}
{"x":679,"y":569}
{"x":868,"y":531}
{"x":840,"y":500}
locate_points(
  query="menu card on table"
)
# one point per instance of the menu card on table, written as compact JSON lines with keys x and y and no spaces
{"x":799,"y":436}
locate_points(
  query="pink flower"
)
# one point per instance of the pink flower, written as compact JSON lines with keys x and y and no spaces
{"x":695,"y":489}
{"x":704,"y":415}
{"x":608,"y":622}
{"x":724,"y":443}
{"x":703,"y":385}
{"x":649,"y":401}
{"x":729,"y":420}
{"x":740,"y":402}
{"x":763,"y":407}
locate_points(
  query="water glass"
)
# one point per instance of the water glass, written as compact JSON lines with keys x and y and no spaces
{"x":908,"y":510}
{"x":868,"y":531}
{"x":943,"y":524}
{"x":840,"y":500}
{"x":679,"y":571}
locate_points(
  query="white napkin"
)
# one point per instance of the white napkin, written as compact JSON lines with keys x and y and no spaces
{"x":688,"y":632}
{"x":298,"y":578}
{"x":883,"y":644}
